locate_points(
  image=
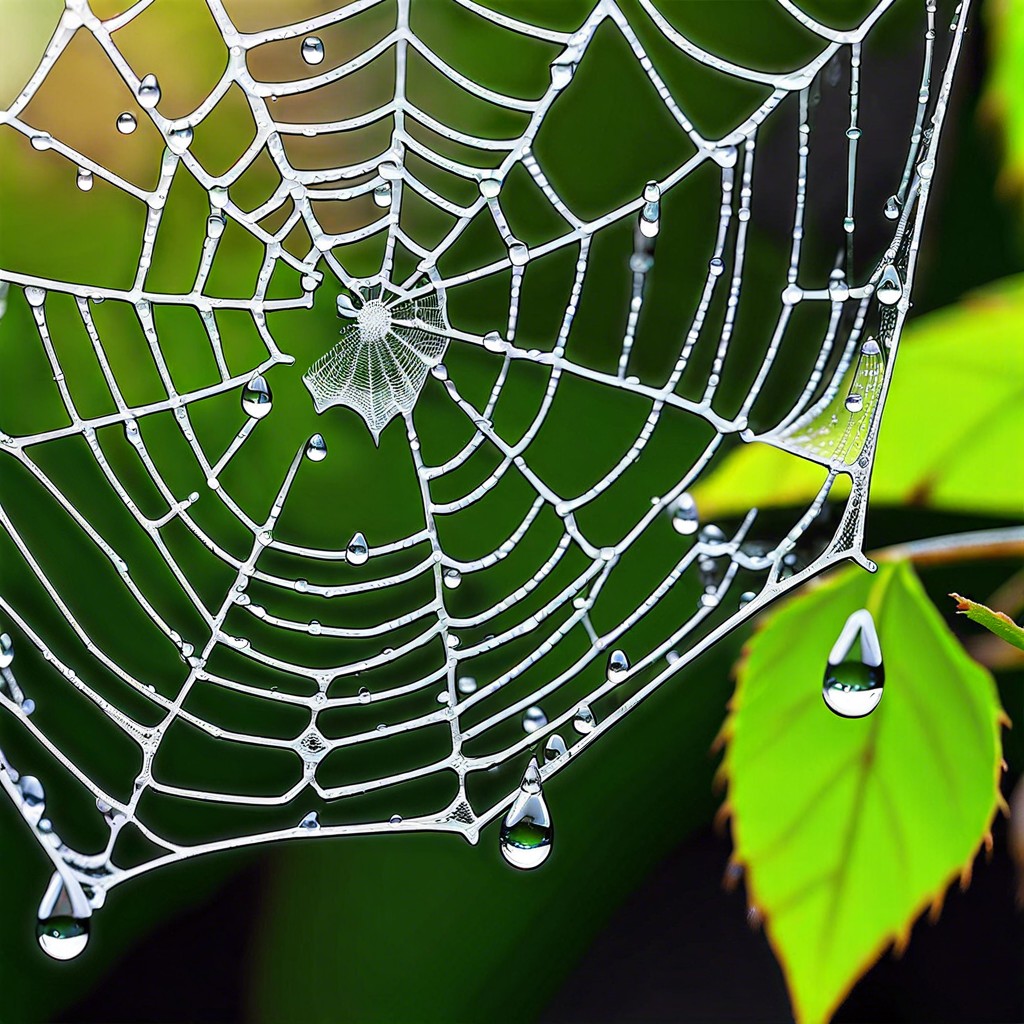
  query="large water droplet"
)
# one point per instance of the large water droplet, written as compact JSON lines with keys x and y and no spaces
{"x":313,"y":50}
{"x":618,"y":666}
{"x":357,"y":550}
{"x":126,"y":123}
{"x":452,"y":578}
{"x":534,"y":719}
{"x":346,"y":307}
{"x":6,"y":650}
{"x":854,"y":402}
{"x":257,"y":398}
{"x":518,"y":254}
{"x":889,"y":289}
{"x":316,"y":448}
{"x":179,"y":139}
{"x":684,"y":514}
{"x":526,"y":833}
{"x":31,"y":790}
{"x":554,"y":748}
{"x":149,"y":92}
{"x":584,"y":721}
{"x":490,"y":187}
{"x":893,"y":206}
{"x":83,"y":179}
{"x":853,"y":682}
{"x":466,"y":685}
{"x":382,"y":194}
{"x":62,"y":936}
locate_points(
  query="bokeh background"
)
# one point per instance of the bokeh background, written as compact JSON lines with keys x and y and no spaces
{"x":629,"y":920}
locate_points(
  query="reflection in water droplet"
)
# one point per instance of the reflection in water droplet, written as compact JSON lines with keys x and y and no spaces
{"x":257,"y":398}
{"x":44,"y":140}
{"x":584,"y":720}
{"x":534,"y":719}
{"x":490,"y":187}
{"x":684,"y":514}
{"x":853,"y":685}
{"x":126,"y":123}
{"x":889,"y":289}
{"x":313,"y":50}
{"x":84,"y":179}
{"x":316,"y":448}
{"x":310,"y":822}
{"x":215,"y":225}
{"x":854,"y":402}
{"x":149,"y":92}
{"x":31,"y":790}
{"x":554,"y":748}
{"x":452,"y":578}
{"x":526,"y":832}
{"x":346,"y":307}
{"x":179,"y":139}
{"x":62,"y":936}
{"x":357,"y":550}
{"x":893,"y":207}
{"x":518,"y":254}
{"x":382,"y":194}
{"x":618,"y":666}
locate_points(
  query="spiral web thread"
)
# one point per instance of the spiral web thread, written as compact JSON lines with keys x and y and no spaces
{"x":826,"y":425}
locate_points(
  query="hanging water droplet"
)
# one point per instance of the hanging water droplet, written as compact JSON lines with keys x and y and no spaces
{"x":6,"y":650}
{"x":466,"y":684}
{"x":316,"y":448}
{"x":684,"y":514}
{"x":389,"y":170}
{"x":257,"y":398}
{"x":346,"y":307}
{"x":311,"y":821}
{"x":870,"y":348}
{"x":584,"y":721}
{"x":562,"y":71}
{"x":746,"y":597}
{"x":792,"y":294}
{"x":215,"y":225}
{"x":854,"y":402}
{"x":31,"y":790}
{"x":494,"y":342}
{"x":382,"y":194}
{"x":149,"y":92}
{"x":534,"y":719}
{"x":179,"y":139}
{"x":518,"y":254}
{"x":853,"y":684}
{"x":554,"y":748}
{"x":63,"y":936}
{"x":83,"y":179}
{"x":357,"y":552}
{"x":650,"y":213}
{"x":618,"y":666}
{"x":893,"y":206}
{"x":218,"y":197}
{"x":490,"y":187}
{"x":35,"y":296}
{"x":526,"y":832}
{"x":126,"y":123}
{"x":44,"y":140}
{"x":889,"y":289}
{"x":452,"y":578}
{"x":712,"y":537}
{"x":313,"y":50}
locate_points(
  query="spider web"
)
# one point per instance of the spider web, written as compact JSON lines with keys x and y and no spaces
{"x":536,"y":669}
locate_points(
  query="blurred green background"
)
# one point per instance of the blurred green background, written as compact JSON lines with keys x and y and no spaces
{"x":626,"y":920}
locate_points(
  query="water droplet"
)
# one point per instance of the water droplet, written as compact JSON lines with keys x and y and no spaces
{"x":466,"y":684}
{"x":490,"y":187}
{"x":792,"y":294}
{"x":518,"y":254}
{"x":853,"y":133}
{"x":83,"y":179}
{"x":63,"y":936}
{"x":311,"y":821}
{"x":650,"y":213}
{"x":452,"y":578}
{"x":6,"y":650}
{"x":889,"y":289}
{"x":382,"y":194}
{"x":854,"y":402}
{"x":684,"y":514}
{"x":313,"y":50}
{"x":526,"y":832}
{"x":126,"y":123}
{"x":853,"y":684}
{"x":149,"y":92}
{"x":554,"y":748}
{"x":534,"y":719}
{"x":618,"y":666}
{"x":357,"y":551}
{"x":893,"y":207}
{"x":316,"y":451}
{"x":494,"y":342}
{"x":31,"y":790}
{"x":562,"y":71}
{"x":713,"y":539}
{"x":870,"y":348}
{"x":42,"y":141}
{"x":179,"y":139}
{"x":346,"y":307}
{"x":584,"y":720}
{"x":389,"y":170}
{"x":215,"y":225}
{"x":257,"y":398}
{"x":35,"y":296}
{"x":218,"y":197}
{"x":746,"y":597}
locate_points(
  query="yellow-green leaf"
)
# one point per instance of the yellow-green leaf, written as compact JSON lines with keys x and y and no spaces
{"x":848,"y":829}
{"x":998,"y":623}
{"x":1004,"y":98}
{"x":951,"y":428}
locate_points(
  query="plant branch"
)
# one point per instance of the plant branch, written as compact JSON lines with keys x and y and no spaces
{"x":976,"y":545}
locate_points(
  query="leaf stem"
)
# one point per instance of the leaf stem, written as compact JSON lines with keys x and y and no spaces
{"x":976,"y":545}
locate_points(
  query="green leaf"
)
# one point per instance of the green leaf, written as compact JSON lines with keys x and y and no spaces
{"x":1003,"y":97}
{"x":995,"y":622}
{"x":849,"y":829}
{"x":951,"y":427}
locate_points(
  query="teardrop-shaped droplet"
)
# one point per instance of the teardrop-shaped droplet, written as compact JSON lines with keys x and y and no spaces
{"x":382,"y":194}
{"x":534,"y":719}
{"x":257,"y":398}
{"x":854,"y":673}
{"x":684,"y":514}
{"x":83,"y":179}
{"x":357,"y":551}
{"x":149,"y":92}
{"x":889,"y":289}
{"x":618,"y":666}
{"x":6,"y":650}
{"x":313,"y":50}
{"x":346,"y":307}
{"x":31,"y":790}
{"x":526,"y":832}
{"x":179,"y":139}
{"x":854,"y":402}
{"x":584,"y":720}
{"x":452,"y":578}
{"x":310,"y":822}
{"x":893,"y":206}
{"x":126,"y":123}
{"x":316,"y":448}
{"x":650,"y":213}
{"x":518,"y":254}
{"x":34,"y":295}
{"x":554,"y":748}
{"x":62,"y":936}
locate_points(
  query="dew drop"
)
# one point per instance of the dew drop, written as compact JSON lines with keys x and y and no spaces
{"x":389,"y":170}
{"x":179,"y":139}
{"x":526,"y":832}
{"x":215,"y":225}
{"x":218,"y":197}
{"x":893,"y":207}
{"x":310,"y":822}
{"x":44,"y":140}
{"x":684,"y":515}
{"x":792,"y":294}
{"x":494,"y":342}
{"x":554,"y":748}
{"x":889,"y":289}
{"x":618,"y":666}
{"x":853,"y":683}
{"x":490,"y":187}
{"x":584,"y":721}
{"x":854,"y":402}
{"x":518,"y":254}
{"x":63,"y":937}
{"x":650,"y":214}
{"x":870,"y":348}
{"x":35,"y":296}
{"x":346,"y":307}
{"x":452,"y":578}
{"x":31,"y":790}
{"x":534,"y":719}
{"x":316,"y":449}
{"x":6,"y":650}
{"x":149,"y":92}
{"x":126,"y":123}
{"x":562,"y":71}
{"x":257,"y":398}
{"x":466,"y":685}
{"x":382,"y":194}
{"x":746,"y":597}
{"x":357,"y":550}
{"x":313,"y":50}
{"x":83,"y":179}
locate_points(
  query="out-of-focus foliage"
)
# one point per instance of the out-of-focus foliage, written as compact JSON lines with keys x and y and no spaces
{"x":956,"y":408}
{"x":995,"y":622}
{"x":1004,"y":97}
{"x":848,"y":829}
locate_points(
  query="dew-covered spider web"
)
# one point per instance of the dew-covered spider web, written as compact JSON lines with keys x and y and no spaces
{"x":363,"y":500}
